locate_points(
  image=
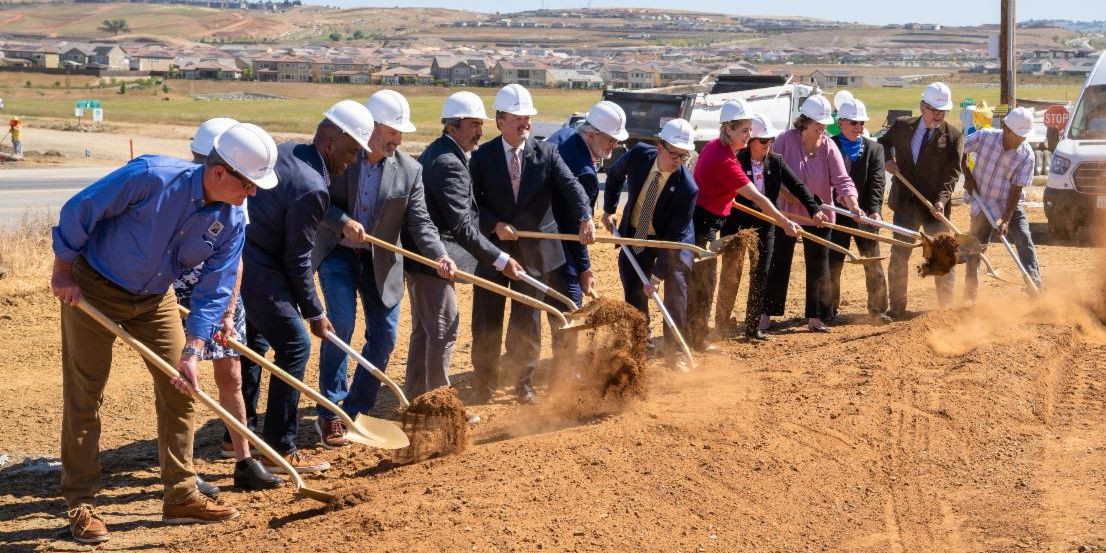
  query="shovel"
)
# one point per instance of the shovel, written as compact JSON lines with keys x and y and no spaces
{"x":929,"y":205}
{"x":853,"y":231}
{"x":1025,"y":274}
{"x":481,"y":282}
{"x":849,"y":256}
{"x":230,"y":420}
{"x":657,"y":300}
{"x":547,"y":290}
{"x":379,"y":374}
{"x":701,"y":253}
{"x":364,"y":430}
{"x":966,"y":241}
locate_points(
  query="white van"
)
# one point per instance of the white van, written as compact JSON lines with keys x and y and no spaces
{"x":1076,"y":189}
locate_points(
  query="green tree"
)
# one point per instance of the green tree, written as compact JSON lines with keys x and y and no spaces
{"x":247,"y":73}
{"x":123,"y":87}
{"x":335,"y":36}
{"x":115,"y":26}
{"x":358,"y":34}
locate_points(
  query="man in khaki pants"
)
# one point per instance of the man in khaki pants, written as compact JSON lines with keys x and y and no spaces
{"x":118,"y":245}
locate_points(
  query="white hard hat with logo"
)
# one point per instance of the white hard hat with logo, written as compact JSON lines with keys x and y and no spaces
{"x":938,"y":96}
{"x":841,"y":97}
{"x":818,"y":108}
{"x":734,"y":110}
{"x":463,"y":105}
{"x":853,"y":110}
{"x":354,"y":119}
{"x":679,"y":133}
{"x":250,"y":151}
{"x":204,"y":139}
{"x":763,"y":127}
{"x":514,"y":99}
{"x":1019,"y":120}
{"x":609,"y":118}
{"x":390,"y":108}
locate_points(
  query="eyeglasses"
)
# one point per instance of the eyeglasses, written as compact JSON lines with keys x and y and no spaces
{"x":247,"y":184}
{"x":682,"y":157}
{"x":765,"y":141}
{"x":933,"y":109}
{"x":850,"y":122}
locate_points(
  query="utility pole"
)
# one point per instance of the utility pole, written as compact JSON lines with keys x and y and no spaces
{"x":1007,"y":53}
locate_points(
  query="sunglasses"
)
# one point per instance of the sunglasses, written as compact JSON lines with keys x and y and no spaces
{"x":247,"y":184}
{"x":850,"y":123}
{"x":682,"y":157}
{"x":765,"y":141}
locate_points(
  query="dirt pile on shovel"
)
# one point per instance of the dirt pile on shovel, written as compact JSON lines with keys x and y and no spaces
{"x":437,"y":425}
{"x":944,"y":252}
{"x":611,"y":361}
{"x":744,"y":241}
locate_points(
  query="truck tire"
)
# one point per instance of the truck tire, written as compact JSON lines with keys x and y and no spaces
{"x":1060,"y":231}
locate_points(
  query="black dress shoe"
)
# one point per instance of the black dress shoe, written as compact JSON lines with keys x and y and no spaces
{"x":756,"y":334}
{"x":207,"y":488}
{"x":526,"y":395}
{"x":250,"y":475}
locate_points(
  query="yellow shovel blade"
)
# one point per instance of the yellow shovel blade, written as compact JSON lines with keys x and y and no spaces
{"x":378,"y":433}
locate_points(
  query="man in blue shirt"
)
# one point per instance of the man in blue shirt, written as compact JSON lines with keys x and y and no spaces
{"x":118,"y":245}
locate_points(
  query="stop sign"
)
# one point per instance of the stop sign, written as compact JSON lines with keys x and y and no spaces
{"x":1056,"y":117}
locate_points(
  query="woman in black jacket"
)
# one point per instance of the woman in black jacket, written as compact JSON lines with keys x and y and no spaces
{"x":768,"y":172}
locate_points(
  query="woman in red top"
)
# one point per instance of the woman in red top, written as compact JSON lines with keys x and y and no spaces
{"x":720,"y":179}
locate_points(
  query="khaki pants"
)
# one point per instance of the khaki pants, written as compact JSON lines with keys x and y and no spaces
{"x":86,"y":363}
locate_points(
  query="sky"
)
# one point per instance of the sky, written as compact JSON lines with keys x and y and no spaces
{"x":878,"y":12}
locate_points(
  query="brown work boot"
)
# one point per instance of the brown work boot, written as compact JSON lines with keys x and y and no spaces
{"x":299,"y":461}
{"x":86,"y":525}
{"x":332,"y":433}
{"x":198,"y":509}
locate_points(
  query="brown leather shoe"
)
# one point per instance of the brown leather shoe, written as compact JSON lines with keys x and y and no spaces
{"x":299,"y":461}
{"x":332,"y":433}
{"x":86,"y":525}
{"x":198,"y":509}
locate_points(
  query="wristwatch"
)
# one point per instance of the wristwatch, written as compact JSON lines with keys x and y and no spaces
{"x":189,"y":350}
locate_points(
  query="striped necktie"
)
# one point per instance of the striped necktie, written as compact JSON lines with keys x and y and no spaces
{"x":645,"y":214}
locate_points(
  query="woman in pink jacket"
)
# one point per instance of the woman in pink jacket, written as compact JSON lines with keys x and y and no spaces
{"x":808,"y":151}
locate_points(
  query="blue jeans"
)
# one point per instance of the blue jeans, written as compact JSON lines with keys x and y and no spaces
{"x":1020,"y":239}
{"x":292,"y":343}
{"x":343,"y":274}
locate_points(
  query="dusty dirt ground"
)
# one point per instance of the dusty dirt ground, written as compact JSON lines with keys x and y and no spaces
{"x":974,"y":429}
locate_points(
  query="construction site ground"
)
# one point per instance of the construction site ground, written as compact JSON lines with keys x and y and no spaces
{"x":971,"y":429}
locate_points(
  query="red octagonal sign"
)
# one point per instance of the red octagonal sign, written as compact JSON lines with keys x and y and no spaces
{"x":1056,"y":117}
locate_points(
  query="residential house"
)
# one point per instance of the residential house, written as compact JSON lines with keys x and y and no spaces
{"x":575,"y":78}
{"x":216,"y":69}
{"x":155,"y":61}
{"x":633,"y":76}
{"x":404,"y":75}
{"x":524,"y":72}
{"x":344,"y":69}
{"x":43,"y":56}
{"x":282,"y":68}
{"x":110,"y":56}
{"x":836,"y":78}
{"x":452,"y":70}
{"x":678,"y":74}
{"x":77,"y":56}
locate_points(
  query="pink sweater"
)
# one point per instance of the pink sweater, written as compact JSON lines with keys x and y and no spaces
{"x":823,"y":173}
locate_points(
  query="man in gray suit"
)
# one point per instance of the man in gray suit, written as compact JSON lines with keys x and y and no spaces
{"x":381,"y":195}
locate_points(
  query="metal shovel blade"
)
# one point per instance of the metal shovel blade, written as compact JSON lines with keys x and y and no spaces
{"x":378,"y":433}
{"x":317,"y":495}
{"x":866,"y":260}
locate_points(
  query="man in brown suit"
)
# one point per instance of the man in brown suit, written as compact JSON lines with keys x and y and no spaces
{"x":926,"y":150}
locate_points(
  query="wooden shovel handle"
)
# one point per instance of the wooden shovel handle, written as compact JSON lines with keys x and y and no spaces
{"x":806,"y":235}
{"x":467,"y":277}
{"x":636,"y":242}
{"x":855,"y":232}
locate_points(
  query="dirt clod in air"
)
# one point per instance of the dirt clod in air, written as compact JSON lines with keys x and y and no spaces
{"x":437,"y":425}
{"x":744,"y":241}
{"x":611,"y":361}
{"x":944,"y":252}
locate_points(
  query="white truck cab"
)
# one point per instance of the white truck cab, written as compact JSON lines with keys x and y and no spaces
{"x":1076,"y":191}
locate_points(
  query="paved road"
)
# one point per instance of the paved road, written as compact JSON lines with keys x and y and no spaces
{"x":41,"y":191}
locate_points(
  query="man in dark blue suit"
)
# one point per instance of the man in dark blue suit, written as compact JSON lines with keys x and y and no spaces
{"x":661,"y":199}
{"x":278,"y":283}
{"x":514,"y":180}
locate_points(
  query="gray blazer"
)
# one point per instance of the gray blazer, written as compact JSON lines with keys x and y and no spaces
{"x":400,"y":204}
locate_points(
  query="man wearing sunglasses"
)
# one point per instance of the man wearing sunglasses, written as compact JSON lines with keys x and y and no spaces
{"x":118,"y":245}
{"x":661,"y":200}
{"x":864,"y":161}
{"x":926,"y":150}
{"x":583,"y":150}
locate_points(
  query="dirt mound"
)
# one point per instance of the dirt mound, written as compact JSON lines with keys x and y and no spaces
{"x":436,"y":424}
{"x":944,"y":252}
{"x":612,"y":360}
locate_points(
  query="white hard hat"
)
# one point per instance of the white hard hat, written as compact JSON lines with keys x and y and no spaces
{"x":733,"y":110}
{"x":841,"y":97}
{"x":463,"y":105}
{"x":250,"y":151}
{"x":514,"y":99}
{"x":818,"y":108}
{"x":679,"y":133}
{"x":763,"y":128}
{"x":354,"y":119}
{"x":204,"y":139}
{"x":609,"y":118}
{"x":938,"y":96}
{"x":1019,"y":120}
{"x":853,"y":110}
{"x":390,"y":108}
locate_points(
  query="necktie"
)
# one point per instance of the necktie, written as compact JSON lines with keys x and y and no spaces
{"x":514,"y":167}
{"x":645,"y":214}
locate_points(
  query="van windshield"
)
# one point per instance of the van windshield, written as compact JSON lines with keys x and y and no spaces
{"x":1089,"y":121}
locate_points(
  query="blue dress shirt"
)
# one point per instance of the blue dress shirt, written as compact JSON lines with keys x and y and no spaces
{"x":145,"y":223}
